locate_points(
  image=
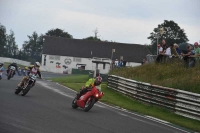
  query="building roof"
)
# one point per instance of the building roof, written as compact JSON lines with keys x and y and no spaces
{"x":89,"y":49}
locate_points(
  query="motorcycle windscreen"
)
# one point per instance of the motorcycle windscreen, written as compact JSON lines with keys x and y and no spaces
{"x":83,"y":98}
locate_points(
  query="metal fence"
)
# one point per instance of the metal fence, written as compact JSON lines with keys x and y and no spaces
{"x":180,"y":102}
{"x":10,"y":60}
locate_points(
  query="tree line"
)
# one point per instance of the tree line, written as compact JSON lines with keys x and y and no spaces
{"x":32,"y":48}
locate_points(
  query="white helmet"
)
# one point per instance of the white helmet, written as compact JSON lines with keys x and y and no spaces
{"x":15,"y":62}
{"x":37,"y":64}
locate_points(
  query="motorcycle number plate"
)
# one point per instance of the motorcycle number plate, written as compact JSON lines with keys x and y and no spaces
{"x":12,"y":67}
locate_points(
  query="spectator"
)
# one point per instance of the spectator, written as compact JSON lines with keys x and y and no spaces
{"x":186,"y":56}
{"x":120,"y":63}
{"x":168,"y":51}
{"x":160,"y":55}
{"x":144,"y":61}
{"x":196,"y":53}
{"x":116,"y":62}
{"x":124,"y":63}
{"x":112,"y":64}
{"x":164,"y":46}
{"x":177,"y":49}
{"x":160,"y":49}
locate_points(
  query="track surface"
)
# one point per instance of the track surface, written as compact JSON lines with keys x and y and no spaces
{"x":47,"y":109}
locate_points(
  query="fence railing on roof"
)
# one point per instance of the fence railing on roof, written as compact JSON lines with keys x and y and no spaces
{"x":180,"y":102}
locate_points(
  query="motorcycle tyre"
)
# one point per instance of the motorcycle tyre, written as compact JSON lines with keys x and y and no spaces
{"x":26,"y":90}
{"x":86,"y":109}
{"x":17,"y":91}
{"x":74,"y":105}
{"x":9,"y":76}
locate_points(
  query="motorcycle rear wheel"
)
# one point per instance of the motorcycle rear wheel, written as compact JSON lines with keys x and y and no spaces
{"x":74,"y":105}
{"x":89,"y":104}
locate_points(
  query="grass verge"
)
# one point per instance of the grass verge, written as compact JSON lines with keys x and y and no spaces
{"x":114,"y":98}
{"x":172,"y":75}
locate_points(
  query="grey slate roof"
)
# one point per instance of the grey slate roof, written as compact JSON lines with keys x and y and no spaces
{"x":83,"y":48}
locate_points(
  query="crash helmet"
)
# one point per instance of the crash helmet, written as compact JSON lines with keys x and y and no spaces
{"x":37,"y":65}
{"x":98,"y":81}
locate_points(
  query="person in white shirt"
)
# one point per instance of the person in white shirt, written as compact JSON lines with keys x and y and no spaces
{"x":116,"y":62}
{"x":1,"y":69}
{"x":168,"y":51}
{"x":160,"y":49}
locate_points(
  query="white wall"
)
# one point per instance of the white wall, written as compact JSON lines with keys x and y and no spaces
{"x":21,"y":62}
{"x":51,"y":64}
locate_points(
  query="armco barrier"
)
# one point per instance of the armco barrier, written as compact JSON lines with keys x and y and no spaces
{"x":180,"y":102}
{"x":10,"y":60}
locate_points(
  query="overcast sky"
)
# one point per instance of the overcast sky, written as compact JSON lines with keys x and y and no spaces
{"x":125,"y":21}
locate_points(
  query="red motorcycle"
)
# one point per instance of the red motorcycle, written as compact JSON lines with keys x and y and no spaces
{"x":87,"y":100}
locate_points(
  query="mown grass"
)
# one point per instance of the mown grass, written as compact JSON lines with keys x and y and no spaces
{"x":172,"y":75}
{"x":114,"y":98}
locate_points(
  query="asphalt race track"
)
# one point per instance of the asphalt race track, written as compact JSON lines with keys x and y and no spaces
{"x":47,"y":109}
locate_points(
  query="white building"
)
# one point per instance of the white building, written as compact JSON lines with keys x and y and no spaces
{"x":62,"y":54}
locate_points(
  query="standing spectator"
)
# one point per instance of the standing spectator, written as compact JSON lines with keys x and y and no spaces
{"x":160,"y":49}
{"x":19,"y":71}
{"x":144,"y":61}
{"x":120,"y":63}
{"x":186,"y":56}
{"x":1,"y":69}
{"x":112,"y":64}
{"x":160,"y":55}
{"x":124,"y":63}
{"x":164,"y":46}
{"x":168,"y":51}
{"x":196,"y":53}
{"x":177,"y":49}
{"x":116,"y":62}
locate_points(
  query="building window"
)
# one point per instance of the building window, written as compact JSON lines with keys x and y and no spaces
{"x":57,"y":57}
{"x":76,"y":59}
{"x":52,"y":57}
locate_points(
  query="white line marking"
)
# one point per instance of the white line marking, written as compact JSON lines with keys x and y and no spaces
{"x":55,"y":90}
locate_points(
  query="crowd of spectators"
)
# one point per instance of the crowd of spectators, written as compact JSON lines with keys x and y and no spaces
{"x":172,"y":52}
{"x":118,"y":63}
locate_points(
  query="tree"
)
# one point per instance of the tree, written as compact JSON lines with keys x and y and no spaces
{"x":92,"y":38}
{"x":58,"y":33}
{"x":172,"y":34}
{"x":95,"y":38}
{"x":2,"y":40}
{"x":11,"y":47}
{"x":32,"y":49}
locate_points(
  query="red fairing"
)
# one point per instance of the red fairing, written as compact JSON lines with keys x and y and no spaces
{"x":94,"y":92}
{"x":83,"y":98}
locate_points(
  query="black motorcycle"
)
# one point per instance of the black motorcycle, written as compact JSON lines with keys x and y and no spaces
{"x":28,"y":83}
{"x":11,"y":72}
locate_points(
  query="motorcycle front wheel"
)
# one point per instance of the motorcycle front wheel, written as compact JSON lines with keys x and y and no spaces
{"x":89,"y":104}
{"x":25,"y":91}
{"x":17,"y":90}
